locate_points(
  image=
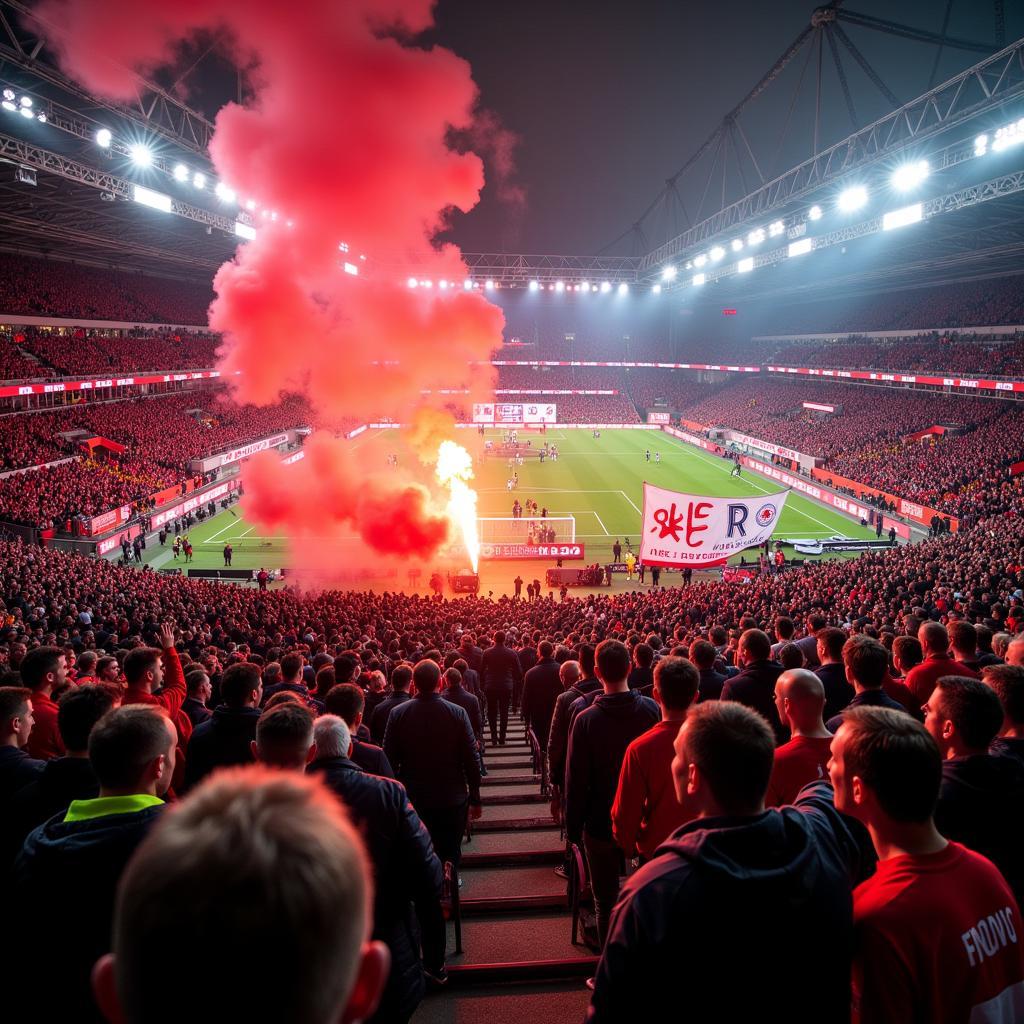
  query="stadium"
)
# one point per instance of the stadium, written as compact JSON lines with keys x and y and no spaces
{"x":464,"y":608}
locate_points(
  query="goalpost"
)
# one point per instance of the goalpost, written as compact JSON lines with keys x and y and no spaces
{"x":545,"y":529}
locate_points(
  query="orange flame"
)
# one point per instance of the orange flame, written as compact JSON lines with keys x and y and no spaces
{"x":454,"y":469}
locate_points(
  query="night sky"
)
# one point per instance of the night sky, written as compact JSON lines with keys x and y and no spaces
{"x":609,"y":99}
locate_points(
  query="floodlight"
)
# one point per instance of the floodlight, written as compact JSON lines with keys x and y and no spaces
{"x":412,"y":282}
{"x":559,"y":286}
{"x":776,"y":228}
{"x":700,"y":260}
{"x":1009,"y":135}
{"x":689,"y":264}
{"x":142,"y":156}
{"x":852,"y":198}
{"x":155,"y":200}
{"x":699,"y":278}
{"x":534,"y":286}
{"x":351,"y":268}
{"x":41,"y":118}
{"x":489,"y":286}
{"x":427,"y":283}
{"x":250,"y":204}
{"x":244,"y":230}
{"x":656,"y":289}
{"x":745,"y":266}
{"x":442,"y":285}
{"x":467,"y":285}
{"x":605,"y":287}
{"x":814,"y":213}
{"x":910,"y":175}
{"x":26,"y":112}
{"x":668,"y":274}
{"x":805,"y":245}
{"x":26,"y":101}
{"x":8,"y":94}
{"x":199,"y":180}
{"x":180,"y":172}
{"x":623,"y":288}
{"x":901,"y":218}
{"x":717,"y":253}
{"x":9,"y":105}
{"x":226,"y":194}
{"x":737,"y":244}
{"x":755,"y":237}
{"x":103,"y":138}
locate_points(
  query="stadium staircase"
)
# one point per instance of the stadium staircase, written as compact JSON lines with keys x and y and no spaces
{"x":518,"y":961}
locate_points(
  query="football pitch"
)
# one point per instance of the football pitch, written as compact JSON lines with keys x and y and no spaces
{"x":599,"y":481}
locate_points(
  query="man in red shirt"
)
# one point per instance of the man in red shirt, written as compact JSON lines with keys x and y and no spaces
{"x":42,"y":671}
{"x":800,"y":698}
{"x":921,"y":680}
{"x":646,"y":812}
{"x":938,"y":933}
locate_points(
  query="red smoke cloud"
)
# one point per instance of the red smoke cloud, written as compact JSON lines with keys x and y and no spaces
{"x":347,"y":138}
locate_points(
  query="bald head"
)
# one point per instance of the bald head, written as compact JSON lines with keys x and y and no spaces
{"x":569,"y":673}
{"x":800,"y":699}
{"x":1015,"y":651}
{"x":934,"y":638}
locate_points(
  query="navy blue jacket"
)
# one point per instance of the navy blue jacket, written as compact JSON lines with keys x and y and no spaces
{"x":371,"y":759}
{"x":407,"y":874}
{"x":500,"y":669}
{"x":597,"y":748}
{"x":382,"y":712}
{"x":866,"y":698}
{"x":542,"y":686}
{"x":469,"y":703}
{"x":755,"y":687}
{"x":838,"y":692}
{"x":558,"y":737}
{"x":431,"y":746}
{"x":222,"y":740}
{"x":196,"y":710}
{"x":62,"y":780}
{"x":726,"y":907}
{"x":710,"y":685}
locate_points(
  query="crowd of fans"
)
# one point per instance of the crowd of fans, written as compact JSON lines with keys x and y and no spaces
{"x":543,"y":378}
{"x":54,"y":288}
{"x":211,"y":677}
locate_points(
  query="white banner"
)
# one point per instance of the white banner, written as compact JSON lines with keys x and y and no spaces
{"x":695,"y":530}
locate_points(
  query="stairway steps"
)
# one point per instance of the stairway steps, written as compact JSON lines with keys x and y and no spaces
{"x":518,"y":824}
{"x":518,"y":807}
{"x":545,"y":1002}
{"x":508,"y":777}
{"x":490,"y":848}
{"x":480,"y":883}
{"x":503,"y":940}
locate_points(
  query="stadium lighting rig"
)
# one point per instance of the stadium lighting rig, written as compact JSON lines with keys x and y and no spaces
{"x":22,"y":105}
{"x":909,"y":176}
{"x":852,"y":198}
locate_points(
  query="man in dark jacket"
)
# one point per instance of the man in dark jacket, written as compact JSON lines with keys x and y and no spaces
{"x":346,"y":700}
{"x":69,"y":867}
{"x":292,"y":679}
{"x":401,"y":679}
{"x":455,"y":692}
{"x":865,"y":662}
{"x":541,"y":688}
{"x":1008,"y":683}
{"x":407,"y":872}
{"x":832,"y":671}
{"x":755,"y":683}
{"x":558,"y":737}
{"x":704,"y":656}
{"x":17,"y":768}
{"x":225,"y":738}
{"x":430,"y":743}
{"x":597,"y":747}
{"x":771,"y":887}
{"x":500,"y":673}
{"x":527,"y":655}
{"x":197,"y":682}
{"x":981,"y":802}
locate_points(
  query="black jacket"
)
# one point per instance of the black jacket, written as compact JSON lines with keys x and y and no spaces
{"x":597,"y":748}
{"x":838,"y":692}
{"x":62,"y":780}
{"x":981,"y":805}
{"x":469,"y":703}
{"x":17,"y":769}
{"x":222,"y":740}
{"x":431,"y":746}
{"x":500,"y":669}
{"x":1008,"y":746}
{"x":407,"y":874}
{"x":710,"y":685}
{"x":558,"y":737}
{"x":371,"y":759}
{"x":866,"y":698}
{"x":755,"y":687}
{"x":379,"y":724}
{"x":541,"y":688}
{"x":196,"y":710}
{"x":725,"y":909}
{"x":67,"y":875}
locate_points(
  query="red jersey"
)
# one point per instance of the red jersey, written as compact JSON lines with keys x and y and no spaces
{"x":921,"y":679}
{"x":938,"y":941}
{"x":44,"y":740}
{"x":646,"y":812}
{"x":797,"y":762}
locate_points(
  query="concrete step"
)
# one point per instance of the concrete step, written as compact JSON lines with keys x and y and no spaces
{"x":513,"y":939}
{"x":552,"y":1002}
{"x":529,"y":847}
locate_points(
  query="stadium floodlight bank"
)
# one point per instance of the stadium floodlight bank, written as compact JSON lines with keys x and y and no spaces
{"x":508,"y":530}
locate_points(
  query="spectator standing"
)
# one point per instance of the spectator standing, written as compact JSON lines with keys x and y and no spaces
{"x":17,"y":768}
{"x":800,"y":699}
{"x":704,"y":656}
{"x":866,"y":662}
{"x":500,"y":672}
{"x":197,"y":683}
{"x":754,"y":685}
{"x":346,"y":700}
{"x":43,"y":670}
{"x":1008,"y":683}
{"x":832,"y":672}
{"x":541,"y":688}
{"x":401,"y":680}
{"x":921,"y":680}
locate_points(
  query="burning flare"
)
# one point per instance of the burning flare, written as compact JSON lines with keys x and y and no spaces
{"x":454,"y":468}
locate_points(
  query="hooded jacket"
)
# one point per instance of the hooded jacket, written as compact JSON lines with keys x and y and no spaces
{"x":223,"y":739}
{"x":597,"y":746}
{"x":62,"y":780}
{"x":981,"y":806}
{"x":728,"y":909}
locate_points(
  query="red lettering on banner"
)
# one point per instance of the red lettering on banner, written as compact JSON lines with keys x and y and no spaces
{"x":669,"y":522}
{"x":698,"y":511}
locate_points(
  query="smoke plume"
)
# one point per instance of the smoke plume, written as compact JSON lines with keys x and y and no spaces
{"x":346,"y":149}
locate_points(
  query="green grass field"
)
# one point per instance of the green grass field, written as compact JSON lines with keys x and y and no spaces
{"x":599,"y":481}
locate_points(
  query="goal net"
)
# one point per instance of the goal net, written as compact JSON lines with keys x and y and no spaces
{"x":544,"y":530}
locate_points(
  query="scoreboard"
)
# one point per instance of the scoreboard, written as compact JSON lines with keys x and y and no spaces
{"x":514,"y":413}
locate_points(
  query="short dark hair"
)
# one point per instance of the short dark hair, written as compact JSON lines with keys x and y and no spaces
{"x":676,"y":679}
{"x":703,"y":654}
{"x":38,"y":663}
{"x":13,"y":701}
{"x":326,"y":679}
{"x":832,"y":639}
{"x":963,"y":636}
{"x":345,"y":668}
{"x":734,"y":750}
{"x":816,"y":621}
{"x":499,"y":637}
{"x":867,"y":661}
{"x":78,"y":712}
{"x":452,"y":676}
{"x":643,"y":655}
{"x":238,"y":682}
{"x":284,"y":731}
{"x":190,"y":883}
{"x":613,"y":660}
{"x":291,"y":665}
{"x":124,"y":741}
{"x":893,"y":754}
{"x":138,"y":662}
{"x":194,"y":678}
{"x":973,"y":708}
{"x":908,"y":650}
{"x":401,"y":677}
{"x":586,"y":659}
{"x":346,"y":700}
{"x":791,"y":656}
{"x":784,"y":627}
{"x":426,"y":675}
{"x":1008,"y":683}
{"x":756,"y":643}
{"x":545,"y":649}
